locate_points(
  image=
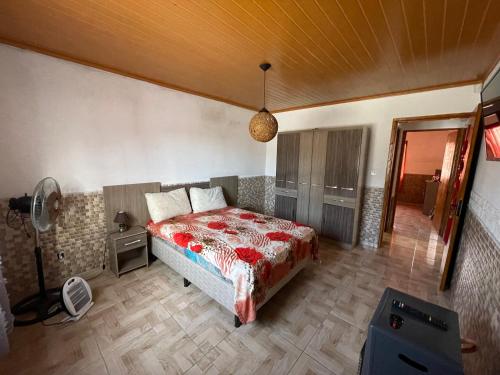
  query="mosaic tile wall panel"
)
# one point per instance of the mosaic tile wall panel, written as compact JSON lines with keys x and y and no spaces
{"x":476,"y":295}
{"x":270,"y":183}
{"x":371,"y":214}
{"x":251,"y":193}
{"x":487,"y":213}
{"x":79,"y":232}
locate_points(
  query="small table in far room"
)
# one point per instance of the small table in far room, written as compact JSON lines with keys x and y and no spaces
{"x":128,"y":250}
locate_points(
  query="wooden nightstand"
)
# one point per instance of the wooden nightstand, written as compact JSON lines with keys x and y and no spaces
{"x":128,"y":250}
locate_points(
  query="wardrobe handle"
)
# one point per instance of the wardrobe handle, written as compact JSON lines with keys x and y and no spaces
{"x":350,"y":189}
{"x":291,"y":182}
{"x":302,"y":183}
{"x":332,"y":187}
{"x":316,"y":185}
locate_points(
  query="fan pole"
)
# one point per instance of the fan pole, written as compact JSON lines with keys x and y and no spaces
{"x":45,"y":206}
{"x":39,"y":265}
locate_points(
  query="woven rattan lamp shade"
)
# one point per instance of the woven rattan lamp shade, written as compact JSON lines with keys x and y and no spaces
{"x":263,"y":126}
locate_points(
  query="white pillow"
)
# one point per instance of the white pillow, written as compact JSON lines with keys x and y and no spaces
{"x":207,"y":199}
{"x":163,"y":206}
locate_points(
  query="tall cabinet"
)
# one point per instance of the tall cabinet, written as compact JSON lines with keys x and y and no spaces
{"x":319,"y":180}
{"x":287,"y":170}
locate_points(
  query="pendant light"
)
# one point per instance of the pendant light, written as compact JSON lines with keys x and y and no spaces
{"x":263,"y":126}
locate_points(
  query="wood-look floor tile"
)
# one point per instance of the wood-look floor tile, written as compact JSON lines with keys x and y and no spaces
{"x":165,"y":349}
{"x":306,"y":365}
{"x":206,"y":322}
{"x":54,"y":349}
{"x":255,"y":349}
{"x":196,"y":370}
{"x":336,"y":345}
{"x":353,"y":307}
{"x":146,"y":322}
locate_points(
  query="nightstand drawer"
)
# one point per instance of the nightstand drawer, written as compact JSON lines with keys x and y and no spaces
{"x":132,"y":242}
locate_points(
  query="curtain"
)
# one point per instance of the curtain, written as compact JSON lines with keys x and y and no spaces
{"x":6,"y":318}
{"x":492,"y":139}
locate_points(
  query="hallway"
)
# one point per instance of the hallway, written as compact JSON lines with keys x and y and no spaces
{"x":415,"y":240}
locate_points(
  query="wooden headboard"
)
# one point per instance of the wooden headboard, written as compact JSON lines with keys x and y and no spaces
{"x":229,"y":186}
{"x":201,"y":185}
{"x":128,"y":198}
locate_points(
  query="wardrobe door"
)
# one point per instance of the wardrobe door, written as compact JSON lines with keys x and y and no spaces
{"x":349,"y":164}
{"x":334,"y":156}
{"x":287,"y":165}
{"x":285,"y":207}
{"x":338,"y":222}
{"x":317,"y":179}
{"x":342,"y":172}
{"x":281,"y":161}
{"x":292,"y":160}
{"x":304,"y":176}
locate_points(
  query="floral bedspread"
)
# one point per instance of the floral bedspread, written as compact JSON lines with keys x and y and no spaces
{"x":254,"y":251}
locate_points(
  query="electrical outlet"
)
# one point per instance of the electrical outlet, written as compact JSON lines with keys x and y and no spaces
{"x":60,"y":256}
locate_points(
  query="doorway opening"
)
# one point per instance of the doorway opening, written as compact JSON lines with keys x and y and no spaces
{"x":426,"y":166}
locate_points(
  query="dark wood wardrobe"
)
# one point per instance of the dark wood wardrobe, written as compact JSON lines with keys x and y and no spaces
{"x":319,"y":180}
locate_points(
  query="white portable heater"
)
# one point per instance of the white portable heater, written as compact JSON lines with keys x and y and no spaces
{"x":77,"y":297}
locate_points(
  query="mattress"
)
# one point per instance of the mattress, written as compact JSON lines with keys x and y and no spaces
{"x":253,"y":251}
{"x":195,"y":258}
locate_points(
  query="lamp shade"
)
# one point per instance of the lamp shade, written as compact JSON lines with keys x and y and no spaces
{"x":121,"y":217}
{"x":263,"y":126}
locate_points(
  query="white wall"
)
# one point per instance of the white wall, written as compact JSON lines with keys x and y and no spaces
{"x":89,"y":128}
{"x":378,"y":114}
{"x":425,"y":151}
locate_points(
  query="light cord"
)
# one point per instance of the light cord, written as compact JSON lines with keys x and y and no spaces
{"x":264,"y":89}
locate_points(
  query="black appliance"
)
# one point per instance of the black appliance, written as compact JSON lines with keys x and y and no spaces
{"x":410,"y":336}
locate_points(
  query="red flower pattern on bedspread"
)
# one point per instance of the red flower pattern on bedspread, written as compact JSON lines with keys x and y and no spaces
{"x":259,"y":221}
{"x":182,"y":239}
{"x":279,"y":236}
{"x":254,"y":251}
{"x":196,"y":248}
{"x":248,"y":254}
{"x":217,"y":225}
{"x":248,"y":216}
{"x":266,"y":271}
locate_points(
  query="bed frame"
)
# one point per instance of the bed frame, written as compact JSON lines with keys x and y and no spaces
{"x":217,"y":288}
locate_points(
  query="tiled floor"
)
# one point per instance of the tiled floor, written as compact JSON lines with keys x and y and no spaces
{"x":147,"y":322}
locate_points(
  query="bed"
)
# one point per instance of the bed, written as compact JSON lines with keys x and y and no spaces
{"x":237,"y":257}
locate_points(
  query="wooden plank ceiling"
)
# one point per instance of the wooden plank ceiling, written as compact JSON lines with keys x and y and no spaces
{"x":321,"y":50}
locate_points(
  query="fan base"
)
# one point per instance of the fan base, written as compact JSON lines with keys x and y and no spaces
{"x":35,"y":308}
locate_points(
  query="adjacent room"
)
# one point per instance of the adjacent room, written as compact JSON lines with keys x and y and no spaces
{"x":250,"y":187}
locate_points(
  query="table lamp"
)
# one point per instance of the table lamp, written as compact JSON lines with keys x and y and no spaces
{"x":121,"y":219}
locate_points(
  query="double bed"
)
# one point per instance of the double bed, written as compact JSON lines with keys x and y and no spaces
{"x":237,"y":257}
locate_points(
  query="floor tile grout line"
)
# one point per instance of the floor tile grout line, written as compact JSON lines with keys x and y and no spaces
{"x":294,"y":362}
{"x":312,"y":336}
{"x":102,"y":355}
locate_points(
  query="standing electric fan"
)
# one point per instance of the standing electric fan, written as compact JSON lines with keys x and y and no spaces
{"x":46,"y":204}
